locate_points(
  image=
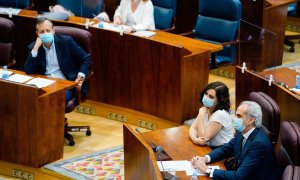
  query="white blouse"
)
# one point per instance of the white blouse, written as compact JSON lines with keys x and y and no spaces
{"x":141,"y":19}
{"x":227,"y":131}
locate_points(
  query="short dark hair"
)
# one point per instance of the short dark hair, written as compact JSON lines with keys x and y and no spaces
{"x":222,"y":94}
{"x":41,"y":20}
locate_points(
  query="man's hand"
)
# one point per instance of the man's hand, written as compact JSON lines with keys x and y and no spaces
{"x":117,"y":21}
{"x":37,"y":44}
{"x":79,"y":80}
{"x":199,"y":163}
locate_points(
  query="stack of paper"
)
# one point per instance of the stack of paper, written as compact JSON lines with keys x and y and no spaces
{"x":19,"y":78}
{"x":181,"y":166}
{"x":40,"y":82}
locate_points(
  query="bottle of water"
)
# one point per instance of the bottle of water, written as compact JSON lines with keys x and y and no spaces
{"x":5,"y":73}
{"x":101,"y":24}
{"x":297,"y":82}
{"x":194,"y":176}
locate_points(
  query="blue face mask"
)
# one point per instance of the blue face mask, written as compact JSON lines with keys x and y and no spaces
{"x":207,"y":102}
{"x":47,"y":38}
{"x":238,"y":124}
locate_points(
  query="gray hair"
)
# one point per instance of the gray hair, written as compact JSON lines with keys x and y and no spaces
{"x":254,"y":110}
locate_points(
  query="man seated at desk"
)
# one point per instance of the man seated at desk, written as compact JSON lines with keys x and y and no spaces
{"x":58,"y":57}
{"x":254,"y":156}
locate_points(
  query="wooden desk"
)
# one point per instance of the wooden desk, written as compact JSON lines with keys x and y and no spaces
{"x":32,"y":122}
{"x":270,"y":15}
{"x":161,"y":75}
{"x":287,"y":101}
{"x":175,"y":141}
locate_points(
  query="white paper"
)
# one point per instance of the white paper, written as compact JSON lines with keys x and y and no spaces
{"x":40,"y":82}
{"x":13,"y":11}
{"x":191,"y":170}
{"x":174,"y":165}
{"x":19,"y":78}
{"x":112,"y":27}
{"x":181,"y":166}
{"x":144,"y":33}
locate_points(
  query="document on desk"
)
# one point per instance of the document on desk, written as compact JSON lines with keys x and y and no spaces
{"x":182,"y":166}
{"x":13,"y":11}
{"x":144,"y":33}
{"x":40,"y":82}
{"x":19,"y":78}
{"x":108,"y":26}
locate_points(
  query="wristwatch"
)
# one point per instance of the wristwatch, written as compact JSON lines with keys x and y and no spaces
{"x":208,"y":171}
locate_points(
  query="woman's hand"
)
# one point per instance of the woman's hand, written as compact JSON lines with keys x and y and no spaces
{"x":200,"y":141}
{"x":117,"y":21}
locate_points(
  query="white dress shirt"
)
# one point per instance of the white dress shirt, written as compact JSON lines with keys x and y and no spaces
{"x":141,"y":19}
{"x":52,"y":66}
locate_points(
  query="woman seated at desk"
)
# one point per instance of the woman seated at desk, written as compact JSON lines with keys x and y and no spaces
{"x":135,"y":15}
{"x":213,"y":125}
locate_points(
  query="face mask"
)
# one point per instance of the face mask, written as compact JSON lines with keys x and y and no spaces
{"x":207,"y":102}
{"x":238,"y":124}
{"x":47,"y":38}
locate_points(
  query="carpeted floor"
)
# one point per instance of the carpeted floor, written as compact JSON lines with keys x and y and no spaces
{"x":106,"y":164}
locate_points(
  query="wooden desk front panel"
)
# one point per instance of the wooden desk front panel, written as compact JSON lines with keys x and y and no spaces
{"x":32,"y":125}
{"x":288,"y":102}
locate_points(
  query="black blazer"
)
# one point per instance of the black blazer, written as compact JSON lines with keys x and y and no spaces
{"x":71,"y":59}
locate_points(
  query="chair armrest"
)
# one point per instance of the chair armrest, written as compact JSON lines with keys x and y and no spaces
{"x":79,"y":86}
{"x":230,"y":43}
{"x":189,"y":34}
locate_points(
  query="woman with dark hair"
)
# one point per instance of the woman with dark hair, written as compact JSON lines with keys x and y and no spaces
{"x":213,"y":125}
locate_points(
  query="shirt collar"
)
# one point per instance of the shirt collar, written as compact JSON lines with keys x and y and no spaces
{"x":51,"y":47}
{"x":247,"y":134}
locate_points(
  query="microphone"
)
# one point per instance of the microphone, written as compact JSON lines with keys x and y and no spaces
{"x":164,"y":171}
{"x":160,"y":149}
{"x":153,"y":146}
{"x":166,"y":175}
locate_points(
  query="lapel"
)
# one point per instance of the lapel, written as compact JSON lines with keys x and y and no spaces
{"x":57,"y":42}
{"x":248,"y":142}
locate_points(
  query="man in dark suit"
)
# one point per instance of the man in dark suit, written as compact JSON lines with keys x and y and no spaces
{"x":253,"y":152}
{"x":57,"y":56}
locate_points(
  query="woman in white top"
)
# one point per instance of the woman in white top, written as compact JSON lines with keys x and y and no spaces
{"x":213,"y":125}
{"x":136,"y":14}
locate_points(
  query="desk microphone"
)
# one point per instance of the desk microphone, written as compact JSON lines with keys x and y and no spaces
{"x":153,"y":146}
{"x":166,"y":175}
{"x":164,"y":171}
{"x":159,"y":149}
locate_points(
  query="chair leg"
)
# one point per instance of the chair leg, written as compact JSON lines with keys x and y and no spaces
{"x":69,"y":137}
{"x":290,"y":43}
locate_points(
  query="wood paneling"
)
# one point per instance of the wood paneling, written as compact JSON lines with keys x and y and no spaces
{"x":29,"y":118}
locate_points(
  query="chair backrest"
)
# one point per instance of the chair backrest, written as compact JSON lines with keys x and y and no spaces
{"x":15,"y":3}
{"x":291,"y":173}
{"x":218,"y":22}
{"x":81,"y":36}
{"x":164,"y":13}
{"x":6,"y":41}
{"x":271,"y":114}
{"x":290,"y":140}
{"x":83,"y":8}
